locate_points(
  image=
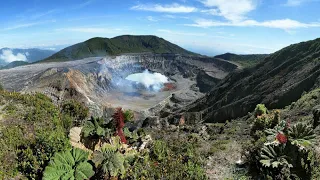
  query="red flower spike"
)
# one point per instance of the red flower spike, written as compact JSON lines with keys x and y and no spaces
{"x":281,"y":138}
{"x":119,"y":118}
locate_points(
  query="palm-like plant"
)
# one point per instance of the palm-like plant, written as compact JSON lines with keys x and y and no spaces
{"x":301,"y":135}
{"x":69,"y":165}
{"x":274,"y":156}
{"x":109,"y":160}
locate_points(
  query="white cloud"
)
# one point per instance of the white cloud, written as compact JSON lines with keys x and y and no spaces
{"x":150,"y":18}
{"x":285,"y":24}
{"x":297,"y":2}
{"x":180,"y":33}
{"x":233,"y":10}
{"x":8,"y":56}
{"x":169,"y":8}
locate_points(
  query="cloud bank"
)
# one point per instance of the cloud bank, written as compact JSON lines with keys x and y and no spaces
{"x":8,"y":56}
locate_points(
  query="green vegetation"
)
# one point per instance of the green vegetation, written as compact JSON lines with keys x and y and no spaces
{"x":260,"y":110}
{"x":116,"y":46}
{"x":246,"y":61}
{"x":281,"y":150}
{"x":109,"y":160}
{"x":32,"y":131}
{"x":69,"y":165}
{"x":76,"y":110}
{"x":36,"y":146}
{"x":95,"y":128}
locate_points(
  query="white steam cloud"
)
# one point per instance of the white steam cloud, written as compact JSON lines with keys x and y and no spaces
{"x":152,"y":81}
{"x":8,"y":56}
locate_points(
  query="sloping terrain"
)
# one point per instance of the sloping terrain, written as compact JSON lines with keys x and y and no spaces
{"x":14,"y":64}
{"x":279,"y":80}
{"x":248,"y":60}
{"x":116,"y":46}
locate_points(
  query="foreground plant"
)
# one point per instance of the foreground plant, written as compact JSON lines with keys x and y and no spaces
{"x":302,"y":135}
{"x":94,"y":128}
{"x":109,"y":160}
{"x":69,"y":165}
{"x":119,"y":118}
{"x":284,"y":151}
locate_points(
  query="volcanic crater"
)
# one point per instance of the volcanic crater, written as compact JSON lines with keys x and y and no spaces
{"x":101,"y":82}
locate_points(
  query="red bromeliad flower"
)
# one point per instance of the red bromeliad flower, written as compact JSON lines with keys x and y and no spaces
{"x":281,"y":138}
{"x":119,"y":118}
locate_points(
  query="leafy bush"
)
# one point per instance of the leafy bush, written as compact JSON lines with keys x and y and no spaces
{"x":30,"y":134}
{"x":35,"y":157}
{"x":69,"y":165}
{"x":260,"y":110}
{"x":128,"y":115}
{"x":283,"y":151}
{"x":75,"y":110}
{"x":110,"y":161}
{"x":95,"y":129}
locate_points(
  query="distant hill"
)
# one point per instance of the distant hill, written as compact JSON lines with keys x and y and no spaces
{"x":8,"y":55}
{"x":277,"y":81}
{"x":245,"y":61}
{"x":115,"y":46}
{"x":14,"y":64}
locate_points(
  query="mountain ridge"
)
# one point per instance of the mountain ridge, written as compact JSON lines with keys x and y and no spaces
{"x":99,"y":46}
{"x":245,"y":60}
{"x":277,"y":81}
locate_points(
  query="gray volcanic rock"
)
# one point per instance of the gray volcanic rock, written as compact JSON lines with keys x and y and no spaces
{"x":100,"y":82}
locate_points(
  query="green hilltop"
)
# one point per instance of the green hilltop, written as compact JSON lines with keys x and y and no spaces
{"x":115,"y":46}
{"x":246,"y":60}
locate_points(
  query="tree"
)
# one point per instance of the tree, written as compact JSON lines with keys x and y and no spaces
{"x":69,"y":165}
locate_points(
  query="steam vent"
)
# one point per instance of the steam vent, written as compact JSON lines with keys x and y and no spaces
{"x":142,"y":82}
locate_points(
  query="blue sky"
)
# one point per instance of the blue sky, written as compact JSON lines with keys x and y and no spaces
{"x":205,"y":26}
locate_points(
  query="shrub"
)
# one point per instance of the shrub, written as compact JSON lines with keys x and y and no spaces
{"x":75,"y":110}
{"x":109,"y":160}
{"x":34,"y":158}
{"x":282,"y":151}
{"x":69,"y":165}
{"x":260,"y":110}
